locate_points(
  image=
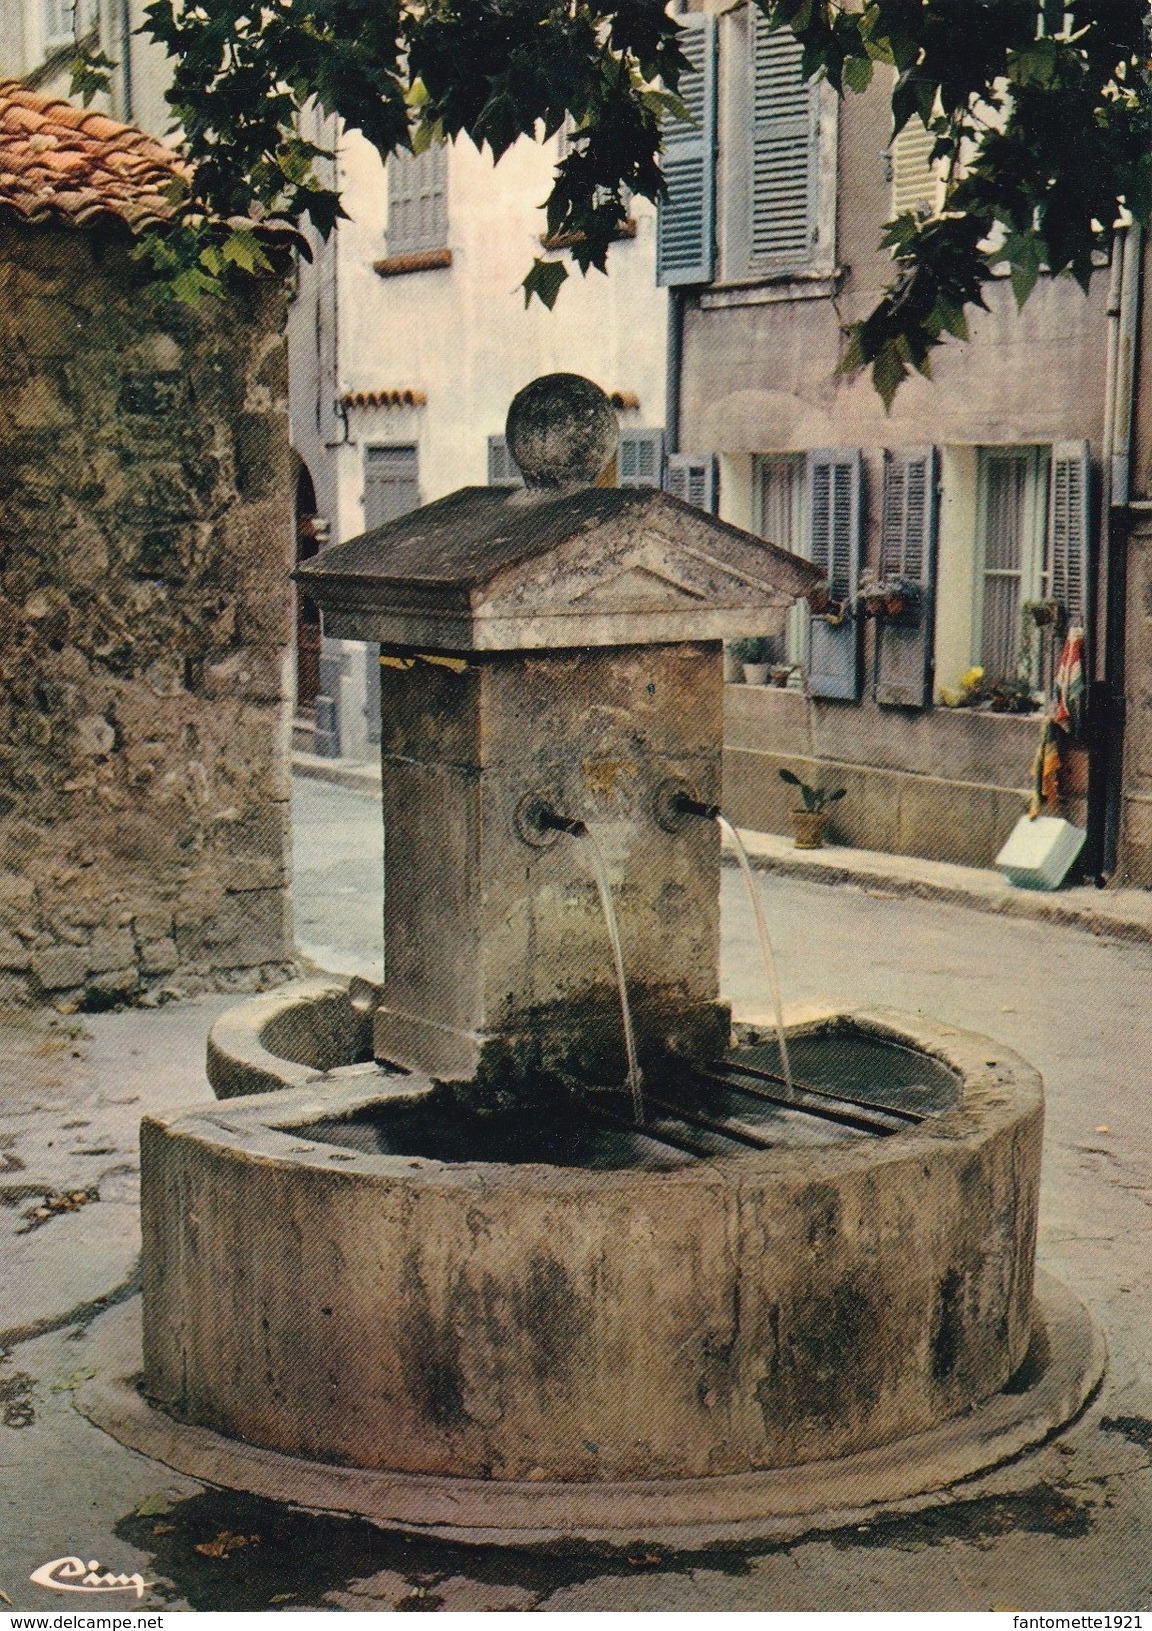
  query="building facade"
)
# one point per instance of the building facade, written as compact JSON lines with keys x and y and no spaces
{"x":409,"y":337}
{"x":986,"y":495}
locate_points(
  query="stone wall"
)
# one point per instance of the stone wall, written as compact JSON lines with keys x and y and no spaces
{"x":144,"y":621}
{"x":945,"y":783}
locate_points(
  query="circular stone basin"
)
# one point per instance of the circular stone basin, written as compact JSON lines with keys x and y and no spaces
{"x":586,"y":1320}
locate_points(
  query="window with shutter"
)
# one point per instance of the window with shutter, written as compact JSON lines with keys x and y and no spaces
{"x":1070,"y":531}
{"x":59,"y":21}
{"x":908,"y":539}
{"x":418,"y":201}
{"x":640,"y":458}
{"x":784,"y":150}
{"x":1012,"y":510}
{"x":686,"y":222}
{"x":502,"y":467}
{"x":835,"y":517}
{"x":692,"y":477}
{"x":917,"y":183}
{"x":779,"y":516}
{"x":391,"y":483}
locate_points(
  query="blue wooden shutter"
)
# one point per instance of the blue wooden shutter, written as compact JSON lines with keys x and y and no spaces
{"x":692,"y":477}
{"x":909,"y":525}
{"x":685,"y":228}
{"x":1070,"y":531}
{"x":785,"y":152}
{"x":640,"y":458}
{"x":835,"y":517}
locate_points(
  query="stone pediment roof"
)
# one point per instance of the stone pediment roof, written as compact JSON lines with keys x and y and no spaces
{"x":62,"y":163}
{"x":496,"y":569}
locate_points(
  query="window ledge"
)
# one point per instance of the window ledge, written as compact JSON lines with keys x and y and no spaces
{"x":772,"y":289}
{"x":424,"y":260}
{"x":565,"y":240}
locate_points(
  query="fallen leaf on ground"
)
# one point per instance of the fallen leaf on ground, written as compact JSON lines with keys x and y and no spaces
{"x":53,"y":1205}
{"x":154,"y":1505}
{"x":74,"y":1381}
{"x":225,"y":1544}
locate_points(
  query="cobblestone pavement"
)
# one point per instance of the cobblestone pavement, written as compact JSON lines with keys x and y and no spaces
{"x":1069,"y":1527}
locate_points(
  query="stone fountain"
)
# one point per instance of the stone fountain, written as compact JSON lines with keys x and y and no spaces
{"x":423,"y":1264}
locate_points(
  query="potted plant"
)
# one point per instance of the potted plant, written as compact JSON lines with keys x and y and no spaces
{"x":755,"y":656}
{"x":897,"y":599}
{"x":808,"y":823}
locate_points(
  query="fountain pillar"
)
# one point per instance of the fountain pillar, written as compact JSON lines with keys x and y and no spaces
{"x":559,"y":643}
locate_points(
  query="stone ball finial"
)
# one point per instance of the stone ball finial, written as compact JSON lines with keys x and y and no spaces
{"x":561,"y":430}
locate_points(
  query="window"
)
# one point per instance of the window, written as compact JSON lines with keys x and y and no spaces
{"x":391,"y":484}
{"x":640,"y":458}
{"x":1012,"y":515}
{"x":777,"y":186}
{"x":418,"y":201}
{"x":502,"y":467}
{"x":779,"y":516}
{"x":685,"y":229}
{"x":59,"y":22}
{"x":692,"y":477}
{"x":917,"y":183}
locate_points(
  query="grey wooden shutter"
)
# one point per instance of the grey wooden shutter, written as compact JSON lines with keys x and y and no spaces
{"x":785,"y":152}
{"x":909,"y":525}
{"x":391,"y":484}
{"x":1070,"y":530}
{"x":59,"y":21}
{"x":685,"y":228}
{"x":418,"y":201}
{"x":835,"y":518}
{"x":692,"y":477}
{"x":502,"y":467}
{"x":640,"y":458}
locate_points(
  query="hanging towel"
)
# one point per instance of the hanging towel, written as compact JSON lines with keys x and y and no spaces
{"x":1046,"y":769}
{"x":1065,"y":725}
{"x":1069,"y":685}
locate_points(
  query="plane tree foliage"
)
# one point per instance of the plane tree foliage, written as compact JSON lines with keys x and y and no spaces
{"x":1041,"y":112}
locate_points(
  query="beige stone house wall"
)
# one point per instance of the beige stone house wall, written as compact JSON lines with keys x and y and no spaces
{"x":144,"y":625}
{"x":760,"y":377}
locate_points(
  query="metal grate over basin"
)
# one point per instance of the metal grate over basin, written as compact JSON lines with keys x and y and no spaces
{"x":846,"y":1085}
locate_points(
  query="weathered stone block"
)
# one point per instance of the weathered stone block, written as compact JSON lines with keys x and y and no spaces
{"x":108,"y":951}
{"x":61,"y":967}
{"x":117,"y":982}
{"x":159,"y":957}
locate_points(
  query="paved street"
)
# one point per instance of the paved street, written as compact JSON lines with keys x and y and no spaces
{"x":1071,"y":1528}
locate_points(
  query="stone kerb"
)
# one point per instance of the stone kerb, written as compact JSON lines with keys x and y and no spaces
{"x":582,"y":1326}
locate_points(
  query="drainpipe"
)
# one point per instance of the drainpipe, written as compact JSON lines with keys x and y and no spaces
{"x":1106,"y":697}
{"x":127,"y":109}
{"x":673,"y":366}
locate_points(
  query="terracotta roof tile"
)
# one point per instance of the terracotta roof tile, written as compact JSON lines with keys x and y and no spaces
{"x":59,"y":162}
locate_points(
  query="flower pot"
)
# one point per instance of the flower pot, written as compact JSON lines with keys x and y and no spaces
{"x":808,"y":828}
{"x":756,"y":673}
{"x":732,"y":668}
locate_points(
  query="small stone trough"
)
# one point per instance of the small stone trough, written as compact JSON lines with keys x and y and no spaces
{"x":423,"y":1263}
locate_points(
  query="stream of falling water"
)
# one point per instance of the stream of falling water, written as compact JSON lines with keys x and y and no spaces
{"x":600,"y":869}
{"x":765,"y":943}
